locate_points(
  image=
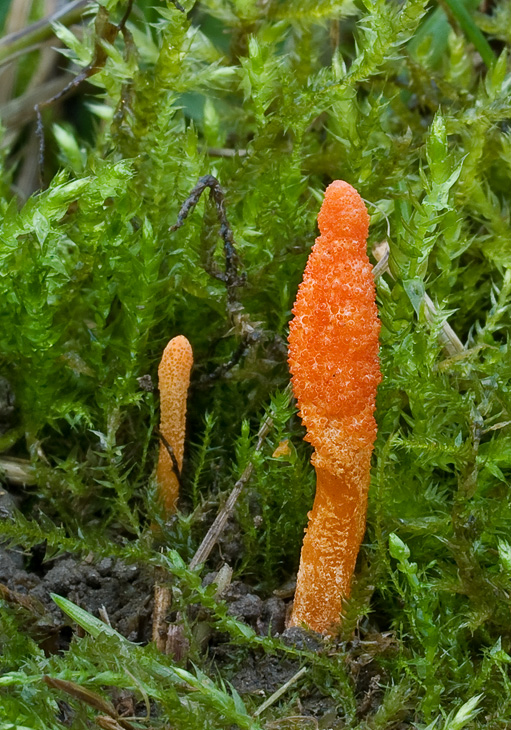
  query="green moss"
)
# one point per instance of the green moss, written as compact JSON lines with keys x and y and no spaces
{"x":275,"y":100}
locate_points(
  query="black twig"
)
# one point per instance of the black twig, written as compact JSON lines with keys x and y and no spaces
{"x":170,"y":452}
{"x":242,"y":326}
{"x":122,"y":24}
{"x":230,"y":275}
{"x":224,"y":368}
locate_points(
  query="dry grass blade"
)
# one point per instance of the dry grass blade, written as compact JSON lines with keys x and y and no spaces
{"x":296,"y":720}
{"x":218,"y":525}
{"x":448,"y":337}
{"x":276,"y":695}
{"x":16,"y":20}
{"x":17,"y":471}
{"x":108,"y":723}
{"x":90,"y":698}
{"x":41,"y":30}
{"x":23,"y":601}
{"x":162,"y":601}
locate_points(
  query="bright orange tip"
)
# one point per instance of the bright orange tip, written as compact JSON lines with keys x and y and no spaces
{"x":343,"y":213}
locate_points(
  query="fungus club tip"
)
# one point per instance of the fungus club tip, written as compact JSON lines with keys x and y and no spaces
{"x":173,"y":382}
{"x":333,"y":358}
{"x":343,"y":212}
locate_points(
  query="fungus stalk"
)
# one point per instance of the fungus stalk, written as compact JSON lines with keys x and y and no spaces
{"x":333,"y":358}
{"x":173,"y":382}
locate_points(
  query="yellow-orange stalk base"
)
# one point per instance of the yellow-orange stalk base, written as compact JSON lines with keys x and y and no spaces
{"x":330,"y":548}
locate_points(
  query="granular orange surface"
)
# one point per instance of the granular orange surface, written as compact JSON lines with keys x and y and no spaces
{"x":173,"y":382}
{"x":333,"y":358}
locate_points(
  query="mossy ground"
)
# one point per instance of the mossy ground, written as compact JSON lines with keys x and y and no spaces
{"x":275,"y":99}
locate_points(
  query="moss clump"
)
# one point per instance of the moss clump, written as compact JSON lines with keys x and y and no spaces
{"x":275,"y":100}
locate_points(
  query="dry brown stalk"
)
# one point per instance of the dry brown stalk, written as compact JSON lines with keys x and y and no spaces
{"x":448,"y":337}
{"x":220,"y":522}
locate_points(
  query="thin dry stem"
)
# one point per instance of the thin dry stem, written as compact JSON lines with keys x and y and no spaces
{"x":294,"y":719}
{"x":25,"y":38}
{"x":276,"y":695}
{"x":17,"y":471}
{"x":218,"y":525}
{"x":226,"y":152}
{"x":89,"y":697}
{"x":448,"y":337}
{"x":162,"y":602}
{"x":18,"y":111}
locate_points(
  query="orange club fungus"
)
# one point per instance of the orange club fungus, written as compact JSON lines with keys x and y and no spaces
{"x":173,"y":383}
{"x":333,"y":358}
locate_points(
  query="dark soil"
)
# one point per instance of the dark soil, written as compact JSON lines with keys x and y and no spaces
{"x":7,"y":405}
{"x":123,"y":595}
{"x":109,"y":589}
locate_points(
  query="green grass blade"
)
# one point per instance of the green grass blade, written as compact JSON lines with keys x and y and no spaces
{"x":468,"y":26}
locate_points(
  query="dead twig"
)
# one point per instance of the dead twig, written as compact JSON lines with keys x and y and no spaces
{"x":218,"y":525}
{"x":23,"y":40}
{"x":233,"y":280}
{"x":235,"y":358}
{"x":17,"y":112}
{"x":302,"y":719}
{"x":106,"y":32}
{"x":230,"y":276}
{"x":89,"y":698}
{"x":28,"y":603}
{"x":276,"y":695}
{"x":162,"y":602}
{"x":17,"y":471}
{"x":448,"y":337}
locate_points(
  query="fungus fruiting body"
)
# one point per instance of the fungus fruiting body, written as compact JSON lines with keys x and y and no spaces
{"x":333,"y":358}
{"x":173,"y":382}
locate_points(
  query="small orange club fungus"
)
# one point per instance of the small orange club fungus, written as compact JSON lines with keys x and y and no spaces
{"x":333,"y":358}
{"x":173,"y":383}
